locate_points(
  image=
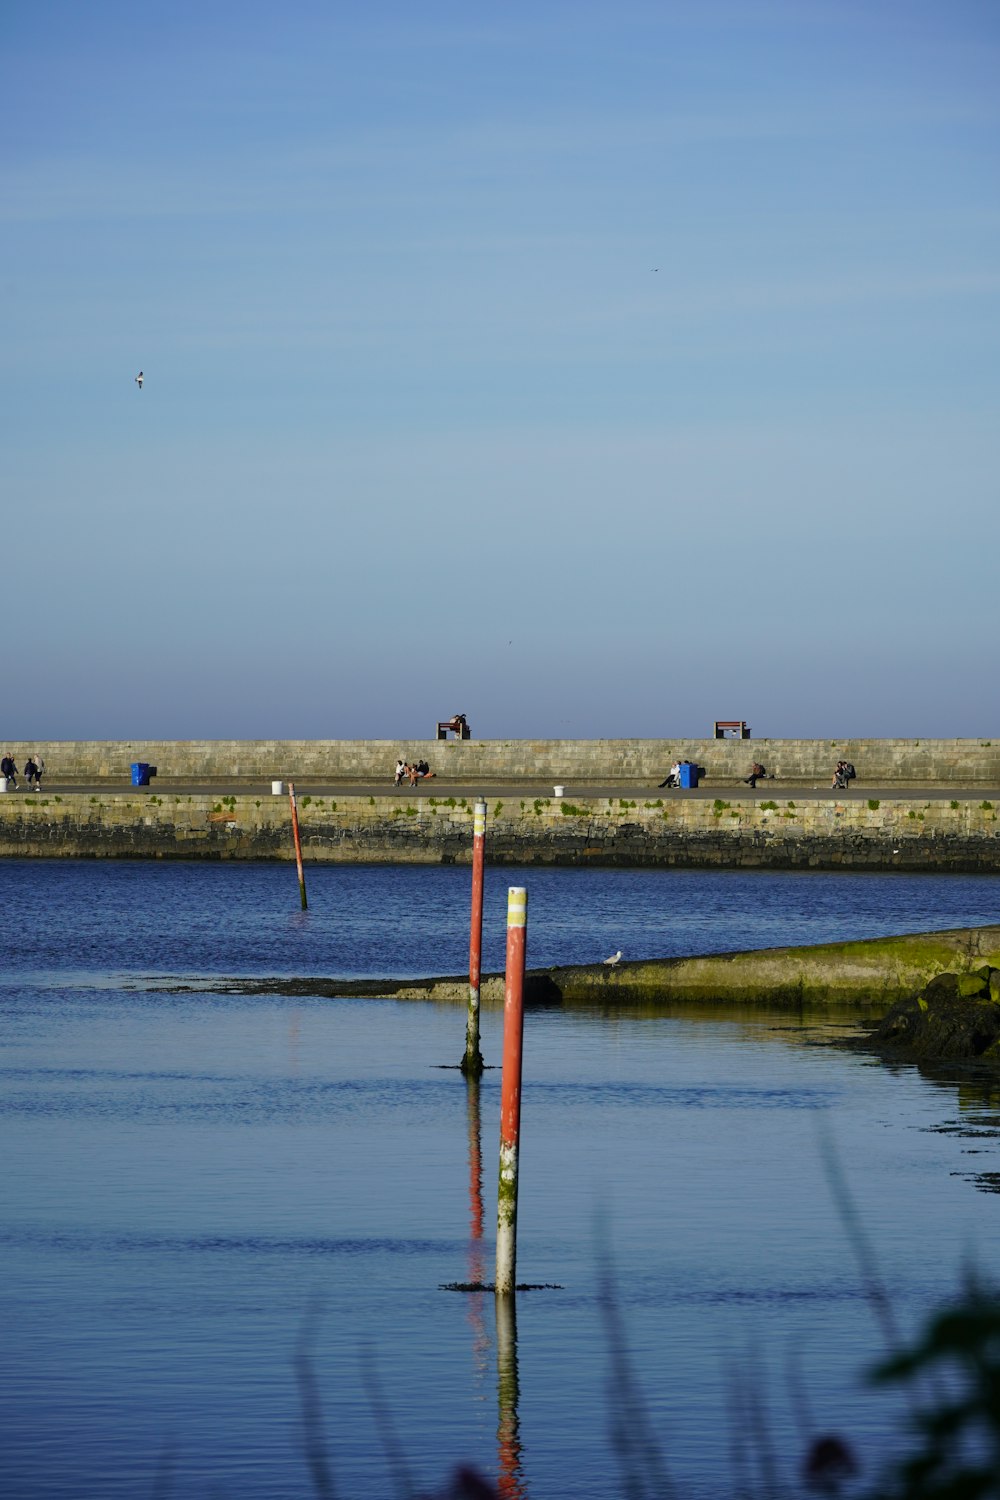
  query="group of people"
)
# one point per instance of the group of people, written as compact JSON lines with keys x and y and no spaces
{"x":417,"y":771}
{"x":33,"y":768}
{"x":842,"y":776}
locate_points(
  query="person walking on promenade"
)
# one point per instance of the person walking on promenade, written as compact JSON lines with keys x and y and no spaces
{"x":400,"y":772}
{"x":30,"y":771}
{"x":8,"y":770}
{"x":39,"y":769}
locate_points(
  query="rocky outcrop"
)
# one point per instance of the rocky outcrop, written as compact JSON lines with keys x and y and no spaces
{"x":954,"y":1018}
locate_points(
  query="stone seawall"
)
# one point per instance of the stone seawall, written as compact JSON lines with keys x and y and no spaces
{"x":903,"y":833}
{"x":863,"y":978}
{"x":879,"y":762}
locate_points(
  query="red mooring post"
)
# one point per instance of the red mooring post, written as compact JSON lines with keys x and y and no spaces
{"x":510,"y":1090}
{"x":298,"y":843}
{"x":472,"y":1062}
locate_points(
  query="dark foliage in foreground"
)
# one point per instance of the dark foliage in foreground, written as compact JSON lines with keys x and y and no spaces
{"x":956,"y":1433}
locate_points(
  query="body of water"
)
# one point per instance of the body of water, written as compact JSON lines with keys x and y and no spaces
{"x":229,"y":1221}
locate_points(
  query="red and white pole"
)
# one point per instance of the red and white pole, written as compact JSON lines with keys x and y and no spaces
{"x":472,"y":1062}
{"x":510,"y":1090}
{"x":298,"y":843}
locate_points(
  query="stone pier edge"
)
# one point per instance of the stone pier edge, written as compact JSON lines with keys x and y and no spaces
{"x":860,"y":979}
{"x":907,"y":831}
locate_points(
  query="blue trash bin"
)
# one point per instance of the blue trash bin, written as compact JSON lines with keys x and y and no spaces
{"x":689,"y":774}
{"x":140,"y":773}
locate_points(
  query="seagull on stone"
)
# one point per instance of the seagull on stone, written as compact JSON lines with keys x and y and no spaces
{"x":615,"y":958}
{"x":139,"y":379}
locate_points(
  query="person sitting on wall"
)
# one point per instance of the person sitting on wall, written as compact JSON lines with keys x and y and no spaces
{"x":756,"y":772}
{"x":673,"y":776}
{"x":400,"y":772}
{"x":843,"y":774}
{"x":423,"y":770}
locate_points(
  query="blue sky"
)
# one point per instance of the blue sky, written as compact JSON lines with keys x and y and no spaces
{"x":591,"y":369}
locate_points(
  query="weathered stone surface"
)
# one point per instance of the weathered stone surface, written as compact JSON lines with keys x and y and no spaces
{"x":861,"y":979}
{"x":903,"y":834}
{"x":962,"y":762}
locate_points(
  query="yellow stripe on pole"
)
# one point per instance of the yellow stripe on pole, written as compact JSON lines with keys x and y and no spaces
{"x":517,"y":906}
{"x":479,"y":821}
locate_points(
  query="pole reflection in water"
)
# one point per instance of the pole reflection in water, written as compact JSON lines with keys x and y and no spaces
{"x":477,"y":1263}
{"x":510,"y":1478}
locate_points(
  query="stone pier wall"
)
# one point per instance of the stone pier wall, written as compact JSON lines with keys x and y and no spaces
{"x":908,"y":833}
{"x":879,"y":762}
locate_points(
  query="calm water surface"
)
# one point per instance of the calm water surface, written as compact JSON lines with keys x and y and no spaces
{"x":198,"y":1184}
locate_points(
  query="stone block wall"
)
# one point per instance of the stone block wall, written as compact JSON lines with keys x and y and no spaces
{"x":794,"y":762}
{"x":904,"y":833}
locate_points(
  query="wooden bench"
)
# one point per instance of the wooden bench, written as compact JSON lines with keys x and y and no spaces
{"x":737,"y":729}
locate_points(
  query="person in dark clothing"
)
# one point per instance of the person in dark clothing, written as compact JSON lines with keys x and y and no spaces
{"x":8,"y":770}
{"x":844,"y":774}
{"x":756,"y":772}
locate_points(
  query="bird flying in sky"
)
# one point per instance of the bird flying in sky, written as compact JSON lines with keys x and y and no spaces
{"x":138,"y":380}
